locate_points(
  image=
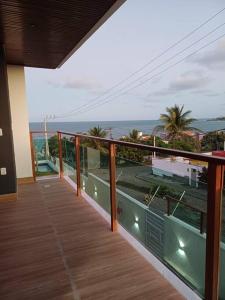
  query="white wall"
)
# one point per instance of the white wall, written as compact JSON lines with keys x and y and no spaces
{"x":20,"y":121}
{"x":175,"y":167}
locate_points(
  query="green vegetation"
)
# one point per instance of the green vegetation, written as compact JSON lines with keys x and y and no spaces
{"x":164,"y":191}
{"x":175,"y":122}
{"x":133,"y":154}
{"x":128,"y":152}
{"x":96,"y":132}
{"x":186,"y":143}
{"x":52,"y":172}
{"x":53,"y":146}
{"x":203,"y":176}
{"x":213,"y":141}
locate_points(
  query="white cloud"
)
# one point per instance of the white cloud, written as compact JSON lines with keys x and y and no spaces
{"x":86,"y":84}
{"x":191,"y":81}
{"x":213,"y":59}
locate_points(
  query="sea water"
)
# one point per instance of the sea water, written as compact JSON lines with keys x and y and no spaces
{"x":121,"y":128}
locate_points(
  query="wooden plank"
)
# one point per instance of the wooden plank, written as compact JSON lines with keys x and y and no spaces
{"x":25,"y":180}
{"x":112,"y":175}
{"x":8,"y":197}
{"x":70,"y":251}
{"x":213,"y":233}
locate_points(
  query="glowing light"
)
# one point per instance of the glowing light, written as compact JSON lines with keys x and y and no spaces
{"x":136,"y":222}
{"x":181,"y":252}
{"x":181,"y":244}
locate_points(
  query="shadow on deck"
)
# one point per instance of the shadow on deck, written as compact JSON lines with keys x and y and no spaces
{"x":54,"y":246}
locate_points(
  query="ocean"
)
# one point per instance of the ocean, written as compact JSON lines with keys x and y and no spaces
{"x":120,"y":128}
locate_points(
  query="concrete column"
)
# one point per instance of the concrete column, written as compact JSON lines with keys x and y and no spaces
{"x":7,"y":160}
{"x":20,"y":123}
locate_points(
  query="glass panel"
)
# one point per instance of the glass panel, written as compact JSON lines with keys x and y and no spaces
{"x":95,"y":172}
{"x":162,"y":202}
{"x":68,"y":156}
{"x":46,"y":154}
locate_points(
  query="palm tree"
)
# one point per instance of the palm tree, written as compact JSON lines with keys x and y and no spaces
{"x":134,"y":135}
{"x":96,"y":132}
{"x":175,"y":122}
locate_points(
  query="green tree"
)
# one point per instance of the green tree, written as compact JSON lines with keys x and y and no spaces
{"x":133,"y":154}
{"x":213,"y":141}
{"x":53,"y":145}
{"x":175,"y":122}
{"x":134,"y":136}
{"x":96,"y":132}
{"x":186,"y":143}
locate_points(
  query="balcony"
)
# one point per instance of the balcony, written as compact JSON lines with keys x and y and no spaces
{"x":166,"y":216}
{"x":61,"y":193}
{"x":57,"y":247}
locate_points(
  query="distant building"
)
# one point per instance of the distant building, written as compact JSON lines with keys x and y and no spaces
{"x":177,"y":166}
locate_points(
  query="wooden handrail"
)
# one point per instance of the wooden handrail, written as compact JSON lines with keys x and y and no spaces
{"x":112,"y":173}
{"x":213,"y":231}
{"x":190,"y":155}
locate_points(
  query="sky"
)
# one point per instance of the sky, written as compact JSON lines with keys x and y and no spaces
{"x":137,"y":33}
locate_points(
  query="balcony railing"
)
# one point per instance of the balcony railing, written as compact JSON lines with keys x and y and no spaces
{"x":172,"y":214}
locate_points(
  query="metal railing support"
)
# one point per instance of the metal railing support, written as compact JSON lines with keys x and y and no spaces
{"x":112,"y":170}
{"x":213,"y":230}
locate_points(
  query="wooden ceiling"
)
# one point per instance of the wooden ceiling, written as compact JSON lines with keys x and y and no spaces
{"x":45,"y":33}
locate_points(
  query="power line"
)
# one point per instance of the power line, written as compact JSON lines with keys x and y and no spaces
{"x":148,"y":79}
{"x":102,"y":101}
{"x":147,"y":64}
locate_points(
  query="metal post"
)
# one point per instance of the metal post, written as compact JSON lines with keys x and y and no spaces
{"x":32,"y":156}
{"x":213,"y":230}
{"x":112,"y":169}
{"x":77,"y":159}
{"x":60,"y":155}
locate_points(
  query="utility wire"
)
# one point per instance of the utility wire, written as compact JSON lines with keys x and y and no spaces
{"x":152,"y":77}
{"x":149,"y":72}
{"x":147,"y":64}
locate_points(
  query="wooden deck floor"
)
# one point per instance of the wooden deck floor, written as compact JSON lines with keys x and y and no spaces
{"x":53,"y":246}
